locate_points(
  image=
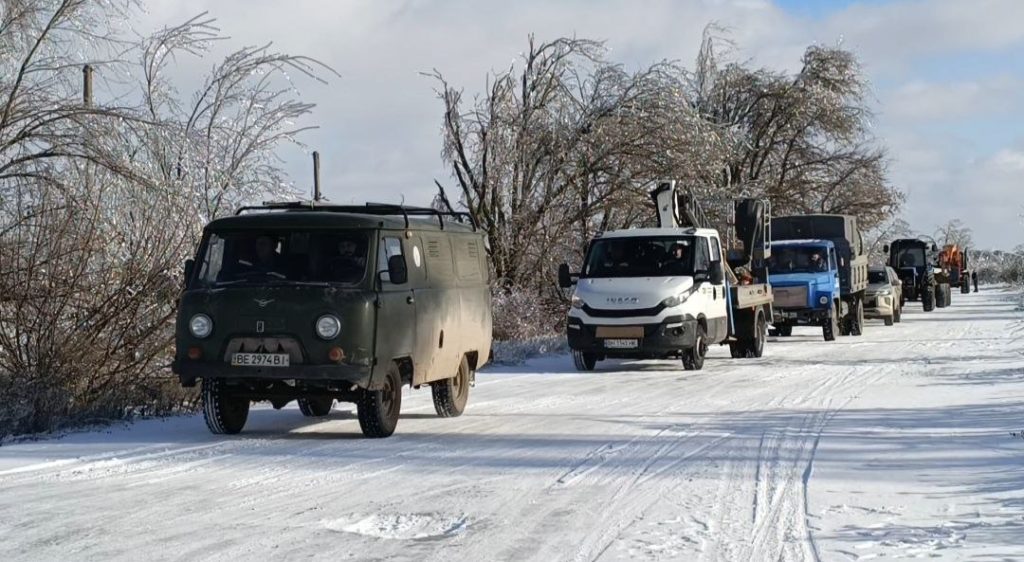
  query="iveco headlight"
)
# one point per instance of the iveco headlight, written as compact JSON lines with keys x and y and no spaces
{"x":200,"y":325}
{"x":679,"y":299}
{"x":328,"y":326}
{"x":576,"y":302}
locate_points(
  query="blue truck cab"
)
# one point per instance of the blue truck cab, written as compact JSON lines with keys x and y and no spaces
{"x":804,"y":275}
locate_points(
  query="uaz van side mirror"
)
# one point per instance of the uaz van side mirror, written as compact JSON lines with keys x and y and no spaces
{"x":885,"y":248}
{"x":398,"y":272}
{"x":564,"y":277}
{"x":189,"y":266}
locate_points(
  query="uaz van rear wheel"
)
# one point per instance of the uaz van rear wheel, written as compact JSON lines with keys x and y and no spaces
{"x":451,"y":395}
{"x":584,"y":361}
{"x":316,"y":407}
{"x":378,"y":409}
{"x":224,"y":413}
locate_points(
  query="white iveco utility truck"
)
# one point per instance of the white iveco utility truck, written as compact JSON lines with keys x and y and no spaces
{"x":670,"y":292}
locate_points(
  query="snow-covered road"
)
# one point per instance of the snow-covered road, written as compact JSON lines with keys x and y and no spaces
{"x":894,"y":444}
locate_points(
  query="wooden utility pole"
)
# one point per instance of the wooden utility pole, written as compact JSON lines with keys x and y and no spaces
{"x":316,"y":176}
{"x":87,"y":85}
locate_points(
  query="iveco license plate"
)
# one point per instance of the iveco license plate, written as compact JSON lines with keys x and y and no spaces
{"x":621,"y":344}
{"x":259,"y":360}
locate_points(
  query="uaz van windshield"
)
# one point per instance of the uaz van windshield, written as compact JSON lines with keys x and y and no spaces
{"x":283,"y":257}
{"x":650,"y":256}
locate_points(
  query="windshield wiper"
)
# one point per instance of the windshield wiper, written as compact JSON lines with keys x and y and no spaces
{"x":301,"y":283}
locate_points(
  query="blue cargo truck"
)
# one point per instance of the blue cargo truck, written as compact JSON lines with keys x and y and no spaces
{"x":804,"y":275}
{"x":820,"y":275}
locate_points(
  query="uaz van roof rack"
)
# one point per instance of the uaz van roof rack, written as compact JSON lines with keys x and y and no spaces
{"x":382,"y":209}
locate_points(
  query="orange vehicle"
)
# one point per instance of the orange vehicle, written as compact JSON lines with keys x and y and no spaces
{"x":954,"y":259}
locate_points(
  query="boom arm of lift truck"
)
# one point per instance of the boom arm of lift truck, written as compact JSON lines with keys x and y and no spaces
{"x":749,"y":304}
{"x":679,"y":207}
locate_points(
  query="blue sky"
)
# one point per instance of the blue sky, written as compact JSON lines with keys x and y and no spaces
{"x":948,"y":76}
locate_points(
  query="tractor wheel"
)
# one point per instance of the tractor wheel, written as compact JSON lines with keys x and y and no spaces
{"x":928,"y":299}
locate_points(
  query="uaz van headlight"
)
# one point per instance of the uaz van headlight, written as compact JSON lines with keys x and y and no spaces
{"x":823,"y":299}
{"x":328,"y":326}
{"x":576,"y":302}
{"x":200,"y":325}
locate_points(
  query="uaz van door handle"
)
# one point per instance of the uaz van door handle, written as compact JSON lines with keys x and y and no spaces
{"x":410,"y":299}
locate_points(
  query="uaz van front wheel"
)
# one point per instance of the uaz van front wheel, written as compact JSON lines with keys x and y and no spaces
{"x":378,"y":409}
{"x":451,"y":395}
{"x":224,"y":413}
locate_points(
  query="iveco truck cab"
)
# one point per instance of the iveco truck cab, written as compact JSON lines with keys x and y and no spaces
{"x":663,"y":292}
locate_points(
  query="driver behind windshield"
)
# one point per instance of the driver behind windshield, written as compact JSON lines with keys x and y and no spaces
{"x":676,"y":262}
{"x":266,"y":258}
{"x":817,"y":264}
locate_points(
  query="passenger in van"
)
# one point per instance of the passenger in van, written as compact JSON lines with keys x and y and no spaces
{"x":615,"y":259}
{"x":350,"y":264}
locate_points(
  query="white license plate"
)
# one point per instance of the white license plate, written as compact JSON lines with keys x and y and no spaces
{"x":260,"y":360}
{"x":621,"y":344}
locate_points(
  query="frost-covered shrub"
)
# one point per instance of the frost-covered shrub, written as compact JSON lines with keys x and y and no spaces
{"x":521,"y":315}
{"x":516,"y":351}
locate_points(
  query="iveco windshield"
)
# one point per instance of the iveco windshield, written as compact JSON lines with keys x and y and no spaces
{"x":287,"y":257}
{"x":649,"y":256}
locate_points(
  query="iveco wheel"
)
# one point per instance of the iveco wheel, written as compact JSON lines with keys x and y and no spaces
{"x":693,"y":358}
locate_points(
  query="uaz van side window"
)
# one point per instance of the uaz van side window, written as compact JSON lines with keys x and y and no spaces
{"x":439,"y":260}
{"x":389,"y":246}
{"x":467,"y":261}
